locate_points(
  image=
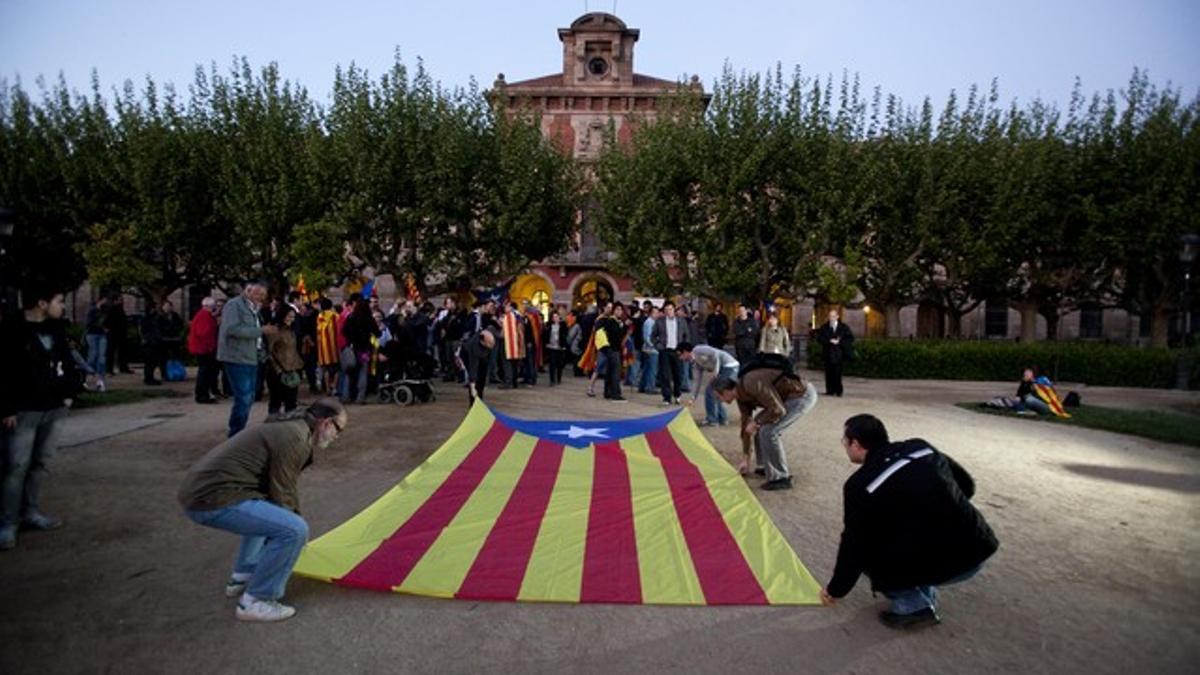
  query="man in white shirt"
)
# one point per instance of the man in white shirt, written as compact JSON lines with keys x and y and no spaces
{"x":669,"y":331}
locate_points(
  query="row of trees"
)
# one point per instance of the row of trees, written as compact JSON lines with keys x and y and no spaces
{"x":249,"y":177}
{"x":781,"y":186}
{"x":789,"y":186}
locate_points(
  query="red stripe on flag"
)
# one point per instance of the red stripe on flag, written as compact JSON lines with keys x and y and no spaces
{"x":610,"y":561}
{"x":390,"y":563}
{"x":724,"y":574}
{"x":499,"y":569}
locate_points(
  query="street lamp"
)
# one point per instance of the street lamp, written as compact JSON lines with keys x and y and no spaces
{"x":7,"y":226}
{"x":1190,"y":246}
{"x":7,"y":218}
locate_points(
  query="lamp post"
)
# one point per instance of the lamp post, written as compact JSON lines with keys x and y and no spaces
{"x":1189,"y":247}
{"x":7,"y":226}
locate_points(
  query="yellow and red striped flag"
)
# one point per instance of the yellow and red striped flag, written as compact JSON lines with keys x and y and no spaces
{"x":1045,"y":391}
{"x":619,"y":511}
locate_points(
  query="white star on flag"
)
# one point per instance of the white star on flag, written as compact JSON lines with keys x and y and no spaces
{"x":575,"y":432}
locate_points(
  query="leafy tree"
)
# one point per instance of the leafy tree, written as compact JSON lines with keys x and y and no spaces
{"x":1154,"y":169}
{"x":436,"y":184}
{"x":162,"y":231}
{"x":271,"y":180}
{"x":33,"y":149}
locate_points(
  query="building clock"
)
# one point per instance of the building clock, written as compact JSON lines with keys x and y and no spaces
{"x":598,"y":67}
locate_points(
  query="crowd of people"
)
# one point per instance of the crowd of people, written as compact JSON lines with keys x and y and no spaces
{"x":909,"y":530}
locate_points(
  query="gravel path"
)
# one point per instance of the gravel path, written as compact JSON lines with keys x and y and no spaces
{"x":1097,"y":570}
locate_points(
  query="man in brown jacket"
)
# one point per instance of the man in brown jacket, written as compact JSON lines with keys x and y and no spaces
{"x":247,"y":485}
{"x":780,"y":398}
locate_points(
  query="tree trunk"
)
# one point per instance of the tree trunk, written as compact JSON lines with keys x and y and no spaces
{"x":1029,"y":315}
{"x":1160,"y":324}
{"x":954,"y":327}
{"x":1052,"y":325}
{"x":891,"y":315}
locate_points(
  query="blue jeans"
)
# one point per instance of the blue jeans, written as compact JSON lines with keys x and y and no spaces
{"x":913,"y":600}
{"x":714,"y":410}
{"x":27,"y":450}
{"x":272,"y":538}
{"x":243,"y":378}
{"x":97,"y":344}
{"x":601,"y":365}
{"x":648,"y":362}
{"x":1036,"y":404}
{"x":772,"y":458}
{"x":685,"y":376}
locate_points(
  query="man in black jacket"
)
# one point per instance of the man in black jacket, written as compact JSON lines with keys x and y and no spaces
{"x":38,"y":385}
{"x":837,"y":344}
{"x":716,"y":327}
{"x":746,"y":331}
{"x":909,"y":524}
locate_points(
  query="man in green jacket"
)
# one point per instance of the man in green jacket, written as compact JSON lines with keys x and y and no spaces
{"x":247,"y":485}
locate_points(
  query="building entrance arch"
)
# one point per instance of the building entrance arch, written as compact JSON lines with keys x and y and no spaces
{"x":592,"y":290}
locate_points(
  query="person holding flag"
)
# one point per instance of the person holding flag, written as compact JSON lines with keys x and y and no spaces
{"x":327,"y":344}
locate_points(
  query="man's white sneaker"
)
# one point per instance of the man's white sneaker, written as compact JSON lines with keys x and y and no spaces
{"x":264,"y":610}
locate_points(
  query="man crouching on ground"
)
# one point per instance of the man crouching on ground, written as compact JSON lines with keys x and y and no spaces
{"x":909,"y":524}
{"x":247,"y":485}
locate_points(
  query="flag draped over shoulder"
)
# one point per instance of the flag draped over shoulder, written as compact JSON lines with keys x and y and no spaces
{"x":619,"y":511}
{"x":1044,"y":388}
{"x":587,"y":361}
{"x":327,"y":342}
{"x":514,"y":336}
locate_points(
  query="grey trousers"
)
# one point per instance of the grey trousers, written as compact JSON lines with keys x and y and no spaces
{"x":768,"y":443}
{"x":27,"y":450}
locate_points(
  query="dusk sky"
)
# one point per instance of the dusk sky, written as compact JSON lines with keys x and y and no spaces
{"x":911,"y":48}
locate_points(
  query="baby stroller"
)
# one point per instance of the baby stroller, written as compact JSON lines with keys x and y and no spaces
{"x":404,"y":376}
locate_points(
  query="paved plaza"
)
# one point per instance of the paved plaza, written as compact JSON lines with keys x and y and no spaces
{"x":1097,"y":570}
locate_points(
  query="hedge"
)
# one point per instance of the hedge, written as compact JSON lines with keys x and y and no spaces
{"x":1084,"y":362}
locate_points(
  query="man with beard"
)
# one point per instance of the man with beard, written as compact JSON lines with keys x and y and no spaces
{"x":248,"y":485}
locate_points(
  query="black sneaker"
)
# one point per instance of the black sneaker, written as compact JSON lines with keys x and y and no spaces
{"x":778,"y":484}
{"x":921,"y":618}
{"x":760,"y":472}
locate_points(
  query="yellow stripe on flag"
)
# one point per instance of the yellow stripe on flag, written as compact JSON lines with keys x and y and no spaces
{"x":555,"y":571}
{"x":664,"y":559}
{"x":444,"y":566}
{"x":338,"y":551}
{"x":782,"y":576}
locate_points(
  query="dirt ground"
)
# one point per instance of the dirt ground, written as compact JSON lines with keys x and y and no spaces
{"x":1097,"y":572}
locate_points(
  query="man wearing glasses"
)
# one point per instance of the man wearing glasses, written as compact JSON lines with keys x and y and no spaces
{"x":247,"y":485}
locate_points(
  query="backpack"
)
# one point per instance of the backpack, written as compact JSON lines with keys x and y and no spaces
{"x":762,"y":361}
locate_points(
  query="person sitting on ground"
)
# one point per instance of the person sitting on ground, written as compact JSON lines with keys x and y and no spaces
{"x":1027,"y":398}
{"x":909,"y":524}
{"x":248,"y":485}
{"x":715,"y":363}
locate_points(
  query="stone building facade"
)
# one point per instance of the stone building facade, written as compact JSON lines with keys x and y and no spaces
{"x":596,"y":87}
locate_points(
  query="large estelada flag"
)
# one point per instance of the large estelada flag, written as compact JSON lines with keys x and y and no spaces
{"x":617,"y":511}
